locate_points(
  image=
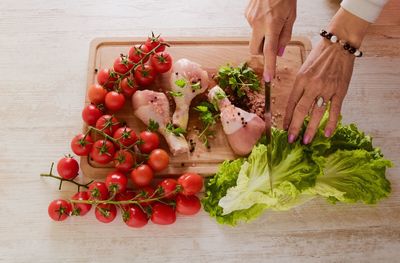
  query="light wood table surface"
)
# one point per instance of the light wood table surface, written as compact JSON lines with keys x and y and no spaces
{"x":43,"y":66}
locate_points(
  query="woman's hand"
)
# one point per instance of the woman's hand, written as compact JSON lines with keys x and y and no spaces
{"x":324,"y":77}
{"x":272,"y":22}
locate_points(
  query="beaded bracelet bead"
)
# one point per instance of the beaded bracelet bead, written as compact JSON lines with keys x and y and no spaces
{"x":346,"y":46}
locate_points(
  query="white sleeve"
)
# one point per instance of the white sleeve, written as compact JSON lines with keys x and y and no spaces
{"x":368,"y":10}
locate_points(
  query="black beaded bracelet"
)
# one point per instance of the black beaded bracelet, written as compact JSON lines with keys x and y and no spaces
{"x":334,"y":39}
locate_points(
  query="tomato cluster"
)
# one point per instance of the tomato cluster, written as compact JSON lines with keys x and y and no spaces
{"x":134,"y":156}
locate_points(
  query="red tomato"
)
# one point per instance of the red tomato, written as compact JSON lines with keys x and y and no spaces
{"x":98,"y":191}
{"x":150,"y":141}
{"x":142,"y":175}
{"x":169,"y":187}
{"x":108,"y":124}
{"x":91,"y":114}
{"x":114,"y":101}
{"x":96,"y":94}
{"x":191,"y":183}
{"x":125,"y":135}
{"x":163,"y":214}
{"x":122,"y":65}
{"x":129,"y":194}
{"x":161,"y":62}
{"x":103,"y":151}
{"x":68,"y":168}
{"x":187,"y":205}
{"x":116,"y":182}
{"x":105,"y":213}
{"x":80,"y":209}
{"x":124,"y":161}
{"x":59,"y":210}
{"x":128,"y":86}
{"x":81,"y":145}
{"x":107,"y":78}
{"x":135,"y":217}
{"x":137,"y":52}
{"x":145,"y":75}
{"x":153,"y":41}
{"x":146,"y":193}
{"x":158,"y":160}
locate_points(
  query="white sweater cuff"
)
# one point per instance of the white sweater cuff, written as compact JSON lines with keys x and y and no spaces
{"x":368,"y":10}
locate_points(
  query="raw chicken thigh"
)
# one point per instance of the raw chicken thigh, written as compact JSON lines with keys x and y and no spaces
{"x":242,"y":128}
{"x":187,"y":81}
{"x":150,"y":105}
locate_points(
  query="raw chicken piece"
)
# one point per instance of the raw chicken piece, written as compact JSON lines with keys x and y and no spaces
{"x":150,"y":105}
{"x":242,"y":128}
{"x":192,"y":81}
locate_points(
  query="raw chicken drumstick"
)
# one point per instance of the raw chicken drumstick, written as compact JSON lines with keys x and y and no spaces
{"x":242,"y":128}
{"x":187,"y":81}
{"x":150,"y":105}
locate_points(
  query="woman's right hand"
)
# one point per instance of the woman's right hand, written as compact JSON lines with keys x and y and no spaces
{"x":272,"y":22}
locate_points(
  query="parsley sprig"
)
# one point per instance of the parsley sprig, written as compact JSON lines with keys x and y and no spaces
{"x":177,"y":131}
{"x":208,"y":116}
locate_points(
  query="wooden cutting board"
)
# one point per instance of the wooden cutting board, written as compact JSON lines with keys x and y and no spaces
{"x":211,"y":53}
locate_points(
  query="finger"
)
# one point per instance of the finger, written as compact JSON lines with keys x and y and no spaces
{"x":285,"y":37}
{"x":300,"y":112}
{"x":270,"y":53}
{"x":256,"y":44}
{"x":312,"y":127}
{"x":294,"y":97}
{"x":334,"y":113}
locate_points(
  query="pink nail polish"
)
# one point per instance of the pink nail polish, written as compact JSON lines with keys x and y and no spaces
{"x":281,"y":51}
{"x":306,"y":139}
{"x":328,"y":133}
{"x":267,"y":77}
{"x":291,"y":138}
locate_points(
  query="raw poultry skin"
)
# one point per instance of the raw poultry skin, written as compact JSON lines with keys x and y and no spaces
{"x":243,"y":129}
{"x":192,"y":73}
{"x":150,"y":105}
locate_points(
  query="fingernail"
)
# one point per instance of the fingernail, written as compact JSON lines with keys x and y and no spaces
{"x":281,"y":51}
{"x":306,"y":139}
{"x":267,"y":77}
{"x":291,"y":138}
{"x":328,"y":133}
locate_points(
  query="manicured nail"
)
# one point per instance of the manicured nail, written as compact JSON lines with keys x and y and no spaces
{"x":306,"y":139}
{"x":267,"y":77}
{"x":291,"y":138}
{"x":281,"y":51}
{"x":328,"y":133}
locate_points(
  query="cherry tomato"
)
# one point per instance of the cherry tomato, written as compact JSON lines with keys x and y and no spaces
{"x":161,"y":62}
{"x":153,"y":41}
{"x":124,"y":161}
{"x":105,"y":213}
{"x":98,"y":191}
{"x":135,"y":217}
{"x":187,"y":205}
{"x":169,"y":187}
{"x":91,"y":114}
{"x":114,"y":101}
{"x":158,"y":160}
{"x":125,"y":196}
{"x":122,"y":65}
{"x":128,"y":86}
{"x":59,"y":210}
{"x":82,"y":145}
{"x":107,"y":78}
{"x":150,"y":141}
{"x":163,"y":214}
{"x":191,"y":183}
{"x":116,"y":182}
{"x":80,"y":209}
{"x":108,"y":124}
{"x":137,"y":52}
{"x":96,"y":94}
{"x":103,"y":151}
{"x":68,"y":168}
{"x":125,"y":135}
{"x":145,"y":75}
{"x":142,"y":175}
{"x":145,"y":193}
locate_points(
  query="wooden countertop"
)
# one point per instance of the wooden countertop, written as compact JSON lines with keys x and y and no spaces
{"x":43,"y":61}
